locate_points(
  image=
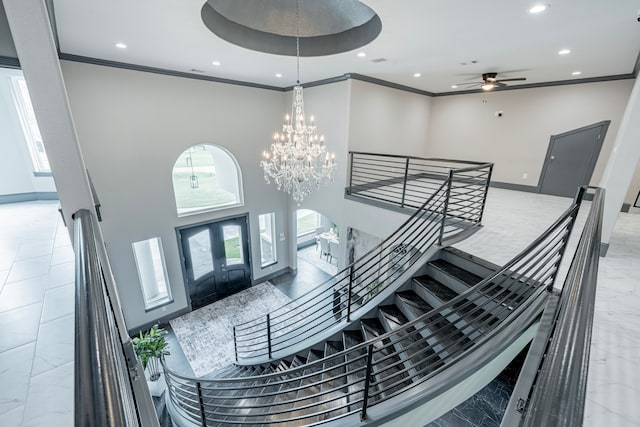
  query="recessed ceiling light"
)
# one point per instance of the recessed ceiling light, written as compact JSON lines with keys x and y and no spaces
{"x":361,"y":54}
{"x":576,"y":73}
{"x":538,"y":8}
{"x":216,"y":63}
{"x":121,"y":45}
{"x":278,"y":75}
{"x":454,"y":86}
{"x":416,"y":74}
{"x":564,"y":51}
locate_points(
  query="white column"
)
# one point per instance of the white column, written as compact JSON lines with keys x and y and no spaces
{"x":622,"y":163}
{"x":33,"y":38}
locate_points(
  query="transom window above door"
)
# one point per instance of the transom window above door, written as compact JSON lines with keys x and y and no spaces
{"x":205,"y":178}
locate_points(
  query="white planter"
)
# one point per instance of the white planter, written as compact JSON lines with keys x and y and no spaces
{"x":156,"y":388}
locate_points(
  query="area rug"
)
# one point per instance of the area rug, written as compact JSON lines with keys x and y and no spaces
{"x":206,"y":334}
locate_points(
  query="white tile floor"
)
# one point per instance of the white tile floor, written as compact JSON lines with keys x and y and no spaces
{"x":36,"y":308}
{"x":36,"y":317}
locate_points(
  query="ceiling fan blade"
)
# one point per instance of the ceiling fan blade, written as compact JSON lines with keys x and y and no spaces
{"x":499,"y":83}
{"x":469,"y":83}
{"x":517,"y":79}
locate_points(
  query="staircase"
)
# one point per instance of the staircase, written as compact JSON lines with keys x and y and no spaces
{"x":405,"y":342}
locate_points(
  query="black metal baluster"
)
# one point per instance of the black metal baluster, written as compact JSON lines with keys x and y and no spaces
{"x":486,"y":191}
{"x":203,"y":416}
{"x":269,"y":334}
{"x":349,"y":294}
{"x":367,"y":380}
{"x":235,"y":343}
{"x":446,"y":206}
{"x":404,"y":184}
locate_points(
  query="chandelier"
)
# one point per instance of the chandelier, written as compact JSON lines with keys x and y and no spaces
{"x":297,"y":160}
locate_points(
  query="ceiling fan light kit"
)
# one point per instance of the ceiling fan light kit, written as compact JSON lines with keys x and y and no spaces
{"x":490,"y":81}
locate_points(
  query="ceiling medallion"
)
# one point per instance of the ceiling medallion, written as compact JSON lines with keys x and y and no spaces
{"x":326,"y":27}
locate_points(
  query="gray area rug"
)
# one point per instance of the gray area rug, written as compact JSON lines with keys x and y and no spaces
{"x":206,"y":334}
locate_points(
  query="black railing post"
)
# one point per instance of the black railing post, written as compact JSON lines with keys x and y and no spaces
{"x":367,"y":380}
{"x":203,"y":417}
{"x":350,"y":292}
{"x":404,"y":184}
{"x":446,"y":206}
{"x":269,"y":334}
{"x":350,"y":171}
{"x":486,"y":191}
{"x":235,"y":343}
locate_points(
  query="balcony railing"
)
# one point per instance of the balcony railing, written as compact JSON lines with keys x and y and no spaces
{"x":110,"y":386}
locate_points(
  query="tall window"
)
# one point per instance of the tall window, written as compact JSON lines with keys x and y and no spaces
{"x":307,"y":221}
{"x":29,"y":125}
{"x":267,"y":223}
{"x":152,"y":272}
{"x":206,"y":177}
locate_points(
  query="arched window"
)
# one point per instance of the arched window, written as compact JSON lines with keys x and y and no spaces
{"x":206,"y":177}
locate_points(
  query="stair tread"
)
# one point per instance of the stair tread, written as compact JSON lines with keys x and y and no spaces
{"x":372,"y":328}
{"x":443,"y":292}
{"x":461,"y":274}
{"x":446,"y":333}
{"x":422,"y":356}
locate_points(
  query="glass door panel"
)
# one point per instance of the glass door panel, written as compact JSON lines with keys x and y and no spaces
{"x":200,"y":252}
{"x":234,"y":254}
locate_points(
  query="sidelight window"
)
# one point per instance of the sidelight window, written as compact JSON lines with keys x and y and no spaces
{"x":267,"y":223}
{"x":152,"y":272}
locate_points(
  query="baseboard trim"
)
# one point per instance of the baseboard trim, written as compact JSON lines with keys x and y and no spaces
{"x":28,"y":197}
{"x":160,"y":321}
{"x":272,"y":275}
{"x":516,"y":187}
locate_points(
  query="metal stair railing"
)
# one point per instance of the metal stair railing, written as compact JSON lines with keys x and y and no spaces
{"x":402,"y":181}
{"x":451,"y":209}
{"x":110,"y":386}
{"x":360,"y":377}
{"x":552,"y":387}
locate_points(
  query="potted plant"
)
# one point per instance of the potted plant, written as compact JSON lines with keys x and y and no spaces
{"x":150,"y":347}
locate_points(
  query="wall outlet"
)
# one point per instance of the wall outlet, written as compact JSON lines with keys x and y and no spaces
{"x":525,"y":175}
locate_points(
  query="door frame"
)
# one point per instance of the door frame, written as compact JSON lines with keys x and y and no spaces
{"x":594,"y":158}
{"x":206,"y":222}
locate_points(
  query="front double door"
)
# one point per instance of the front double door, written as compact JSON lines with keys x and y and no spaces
{"x":216,"y":259}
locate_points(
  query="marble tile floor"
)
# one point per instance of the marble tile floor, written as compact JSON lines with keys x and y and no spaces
{"x":36,"y":316}
{"x":311,"y":255}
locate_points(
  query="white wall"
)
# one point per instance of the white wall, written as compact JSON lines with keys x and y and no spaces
{"x":16,"y":168}
{"x":132,"y":127}
{"x":465,"y":126}
{"x":385,"y":120}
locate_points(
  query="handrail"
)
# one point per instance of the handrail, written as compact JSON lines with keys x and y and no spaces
{"x":401,"y":181}
{"x":344,"y":383}
{"x":108,"y":377}
{"x":454,"y":206}
{"x":559,"y":391}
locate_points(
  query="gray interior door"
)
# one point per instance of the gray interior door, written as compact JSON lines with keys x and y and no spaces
{"x":571,"y":158}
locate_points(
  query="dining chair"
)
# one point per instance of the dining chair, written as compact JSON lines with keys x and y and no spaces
{"x":324,"y":247}
{"x":333,"y":251}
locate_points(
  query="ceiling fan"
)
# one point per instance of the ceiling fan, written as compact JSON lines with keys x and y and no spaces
{"x":490,"y":81}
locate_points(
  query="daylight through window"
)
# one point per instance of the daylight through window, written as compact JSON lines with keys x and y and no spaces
{"x":152,"y":272}
{"x":267,"y":223}
{"x":29,"y":125}
{"x":206,"y":177}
